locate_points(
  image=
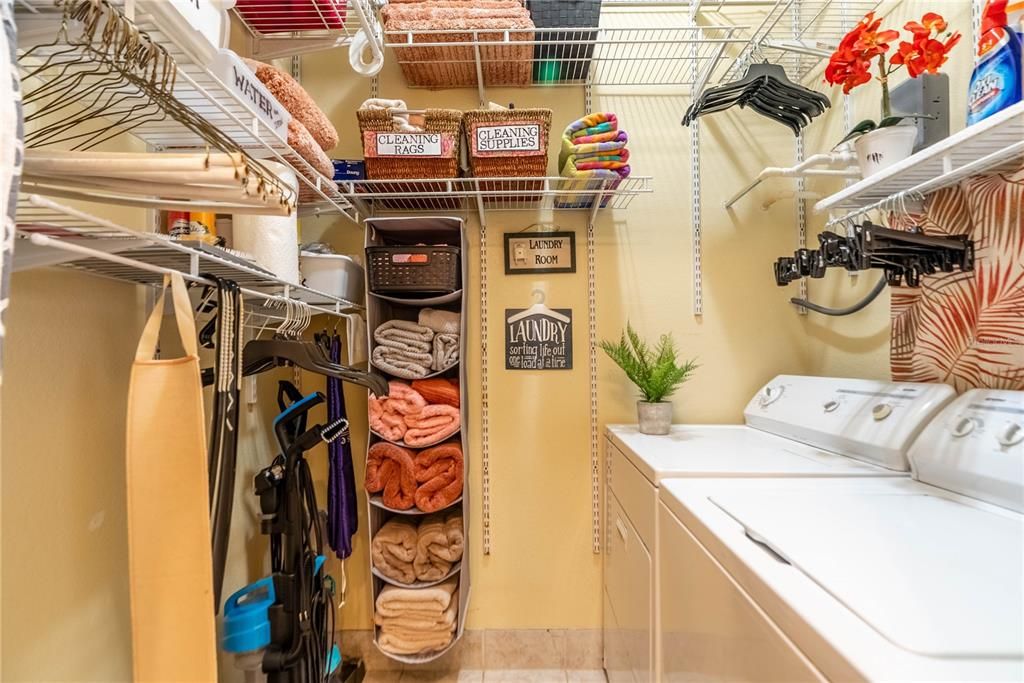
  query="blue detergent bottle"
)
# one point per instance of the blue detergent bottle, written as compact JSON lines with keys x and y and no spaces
{"x":998,"y":78}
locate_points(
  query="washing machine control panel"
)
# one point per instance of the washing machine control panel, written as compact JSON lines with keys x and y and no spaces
{"x":976,"y":447}
{"x":869,"y":420}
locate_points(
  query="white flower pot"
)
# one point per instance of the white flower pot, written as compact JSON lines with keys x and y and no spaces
{"x":884,"y":147}
{"x":655,"y":418}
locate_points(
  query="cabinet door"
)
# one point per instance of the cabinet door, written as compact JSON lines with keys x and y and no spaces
{"x":616,"y":659}
{"x":711,"y":630}
{"x":628,"y":574}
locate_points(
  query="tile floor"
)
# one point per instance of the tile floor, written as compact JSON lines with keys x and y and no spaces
{"x":490,"y":676}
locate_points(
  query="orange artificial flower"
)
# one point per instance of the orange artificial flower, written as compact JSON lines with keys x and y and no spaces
{"x":930,"y":23}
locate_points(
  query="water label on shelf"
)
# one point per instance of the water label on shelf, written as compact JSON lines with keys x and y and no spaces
{"x":242,"y":82}
{"x":408,"y":144}
{"x":505,"y":139}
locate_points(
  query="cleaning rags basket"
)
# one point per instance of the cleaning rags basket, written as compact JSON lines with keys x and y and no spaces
{"x":382,"y":165}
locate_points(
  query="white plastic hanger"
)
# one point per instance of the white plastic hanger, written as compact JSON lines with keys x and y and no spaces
{"x":539,"y":308}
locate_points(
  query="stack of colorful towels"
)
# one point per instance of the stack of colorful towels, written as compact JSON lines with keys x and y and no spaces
{"x":414,"y":350}
{"x":415,"y":621}
{"x":418,"y":415}
{"x":593,"y":156}
{"x":406,"y":551}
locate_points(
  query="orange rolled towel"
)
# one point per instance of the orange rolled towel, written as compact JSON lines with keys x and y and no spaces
{"x":390,"y":468}
{"x":439,"y":472}
{"x":438,"y":390}
{"x":430,"y":425}
{"x":387,"y":415}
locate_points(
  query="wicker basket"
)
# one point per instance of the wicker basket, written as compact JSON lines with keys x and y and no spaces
{"x":426,"y":270}
{"x":508,"y":143}
{"x":444,"y":122}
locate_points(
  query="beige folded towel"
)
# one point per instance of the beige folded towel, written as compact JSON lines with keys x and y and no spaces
{"x":446,"y":351}
{"x":394,"y":601}
{"x":439,"y":546}
{"x":430,"y":641}
{"x":440,"y":321}
{"x":394,"y":548}
{"x":411,"y":634}
{"x":411,"y":623}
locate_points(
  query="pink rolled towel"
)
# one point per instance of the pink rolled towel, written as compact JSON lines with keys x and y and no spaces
{"x":430,"y":425}
{"x":388,"y":415}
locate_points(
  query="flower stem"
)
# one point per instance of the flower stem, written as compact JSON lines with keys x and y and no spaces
{"x":883,"y":77}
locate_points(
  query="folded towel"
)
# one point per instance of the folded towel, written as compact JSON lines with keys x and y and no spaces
{"x":446,"y":351}
{"x":610,"y":136}
{"x":439,"y":545}
{"x":435,"y":600}
{"x":387,"y":415}
{"x":404,"y":123}
{"x":439,"y":472}
{"x":598,"y":122}
{"x":430,"y":425}
{"x":440,"y":321}
{"x":404,"y":349}
{"x":393,"y":549}
{"x":415,"y":625}
{"x":438,"y":390}
{"x":579,"y":189}
{"x":390,"y":468}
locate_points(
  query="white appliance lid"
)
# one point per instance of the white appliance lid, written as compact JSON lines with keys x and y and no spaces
{"x":729,"y":451}
{"x":932,"y":575}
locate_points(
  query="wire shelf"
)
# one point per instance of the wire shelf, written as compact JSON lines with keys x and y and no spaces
{"x":562,"y":56}
{"x":494,"y":194}
{"x":57,"y":235}
{"x":197,"y":88}
{"x":987,"y":146}
{"x":282,"y":28}
{"x":797,"y":34}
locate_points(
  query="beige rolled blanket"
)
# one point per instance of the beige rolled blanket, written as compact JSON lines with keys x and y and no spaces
{"x":394,"y":548}
{"x":439,"y":545}
{"x":395,"y":602}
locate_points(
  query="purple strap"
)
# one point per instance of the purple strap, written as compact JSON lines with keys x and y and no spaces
{"x":342,"y":514}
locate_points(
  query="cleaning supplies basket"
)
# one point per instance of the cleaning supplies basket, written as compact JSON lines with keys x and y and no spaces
{"x":423,"y":269}
{"x":392,"y":154}
{"x":508,"y":143}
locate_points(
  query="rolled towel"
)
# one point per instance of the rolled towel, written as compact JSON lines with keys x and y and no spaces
{"x":404,"y":334}
{"x":430,"y":425}
{"x":417,"y":622}
{"x":439,"y":472}
{"x":297,"y":101}
{"x":413,"y":643}
{"x":432,"y":601}
{"x":439,"y":545}
{"x":441,"y":321}
{"x":393,"y":549}
{"x":446,"y":351}
{"x":387,"y":415}
{"x":403,"y":349}
{"x":438,"y":390}
{"x":390,"y":468}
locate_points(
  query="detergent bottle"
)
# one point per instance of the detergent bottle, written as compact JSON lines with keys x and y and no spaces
{"x":998,"y":78}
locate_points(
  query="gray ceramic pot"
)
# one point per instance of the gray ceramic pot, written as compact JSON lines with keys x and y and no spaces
{"x":655,"y":418}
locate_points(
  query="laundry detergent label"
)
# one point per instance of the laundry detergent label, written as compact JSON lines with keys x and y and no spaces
{"x":408,"y":144}
{"x":996,"y":81}
{"x":508,"y":139}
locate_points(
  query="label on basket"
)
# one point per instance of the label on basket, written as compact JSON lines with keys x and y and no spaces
{"x":408,"y":144}
{"x":241,"y":82}
{"x":517,"y":138}
{"x":410,"y":258}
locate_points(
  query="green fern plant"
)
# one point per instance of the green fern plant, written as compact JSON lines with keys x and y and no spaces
{"x":654,"y":371}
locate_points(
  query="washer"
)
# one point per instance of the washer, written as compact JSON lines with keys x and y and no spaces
{"x":795,"y":427}
{"x":912,"y":579}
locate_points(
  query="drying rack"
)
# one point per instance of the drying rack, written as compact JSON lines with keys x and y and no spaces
{"x":70,"y":238}
{"x":278,"y":28}
{"x":208,"y":83}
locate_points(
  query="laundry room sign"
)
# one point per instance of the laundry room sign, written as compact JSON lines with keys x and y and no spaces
{"x":538,"y":338}
{"x":547,"y":252}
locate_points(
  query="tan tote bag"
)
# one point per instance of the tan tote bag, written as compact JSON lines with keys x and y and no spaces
{"x":169,"y":558}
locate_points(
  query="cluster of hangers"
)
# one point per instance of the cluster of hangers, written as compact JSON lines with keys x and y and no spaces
{"x":92,"y":75}
{"x":766,"y":89}
{"x":287,"y":347}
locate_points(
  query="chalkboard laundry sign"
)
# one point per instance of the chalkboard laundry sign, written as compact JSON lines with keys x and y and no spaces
{"x":538,"y":337}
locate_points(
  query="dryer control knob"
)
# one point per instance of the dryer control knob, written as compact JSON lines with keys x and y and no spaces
{"x":770,"y":395}
{"x":963,"y":427}
{"x":1012,"y":435}
{"x":881,"y":411}
{"x":830,"y":406}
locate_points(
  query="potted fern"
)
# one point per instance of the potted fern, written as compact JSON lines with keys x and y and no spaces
{"x":655,"y":372}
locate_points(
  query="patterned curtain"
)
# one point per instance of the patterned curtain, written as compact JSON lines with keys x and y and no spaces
{"x":967,"y":329}
{"x":11,"y":150}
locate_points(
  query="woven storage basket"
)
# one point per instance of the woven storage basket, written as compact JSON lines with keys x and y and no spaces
{"x":554,"y":60}
{"x":445,"y":122}
{"x":429,"y":270}
{"x":508,"y":143}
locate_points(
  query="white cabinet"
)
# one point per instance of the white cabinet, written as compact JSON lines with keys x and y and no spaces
{"x":711,"y":630}
{"x":629,"y":585}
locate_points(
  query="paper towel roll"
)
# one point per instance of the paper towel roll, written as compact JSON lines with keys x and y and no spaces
{"x":273,"y":240}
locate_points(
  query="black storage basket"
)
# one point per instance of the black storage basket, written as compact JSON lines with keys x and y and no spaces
{"x":421,"y":269}
{"x":552,"y":60}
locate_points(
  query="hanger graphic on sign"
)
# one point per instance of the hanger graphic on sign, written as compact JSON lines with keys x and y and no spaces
{"x":539,"y":309}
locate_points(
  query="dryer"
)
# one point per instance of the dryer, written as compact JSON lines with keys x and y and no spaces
{"x":795,"y":426}
{"x":916,"y":578}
